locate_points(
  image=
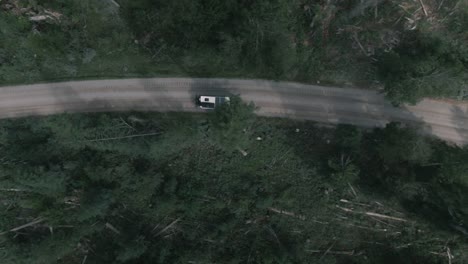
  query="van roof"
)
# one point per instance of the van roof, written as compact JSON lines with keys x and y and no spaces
{"x":207,"y":99}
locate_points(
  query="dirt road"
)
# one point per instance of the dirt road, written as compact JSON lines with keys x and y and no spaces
{"x":445,"y":120}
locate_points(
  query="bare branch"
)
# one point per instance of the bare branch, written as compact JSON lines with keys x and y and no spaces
{"x":13,"y":190}
{"x":440,"y":5}
{"x":348,"y":253}
{"x":373,"y":214}
{"x":167,"y":227}
{"x":449,"y":256}
{"x":386,"y":216}
{"x":346,"y":201}
{"x":328,"y":250}
{"x":35,"y":222}
{"x":124,"y":137}
{"x":423,"y":7}
{"x":279,"y":211}
{"x":127,"y":124}
{"x":84,"y":259}
{"x":360,"y":45}
{"x":112,"y":228}
{"x":352,"y":190}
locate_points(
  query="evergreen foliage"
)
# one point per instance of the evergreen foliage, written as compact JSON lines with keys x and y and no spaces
{"x":185,"y":194}
{"x":410,"y":51}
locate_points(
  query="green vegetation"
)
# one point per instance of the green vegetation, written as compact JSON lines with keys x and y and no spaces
{"x":411,"y":48}
{"x":425,"y":65}
{"x":177,"y":188}
{"x":230,"y":187}
{"x":87,"y":41}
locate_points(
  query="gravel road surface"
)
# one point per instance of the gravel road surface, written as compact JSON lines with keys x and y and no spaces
{"x":446,"y":120}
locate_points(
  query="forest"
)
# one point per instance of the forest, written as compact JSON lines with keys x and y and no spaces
{"x":410,"y":49}
{"x":227,"y":187}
